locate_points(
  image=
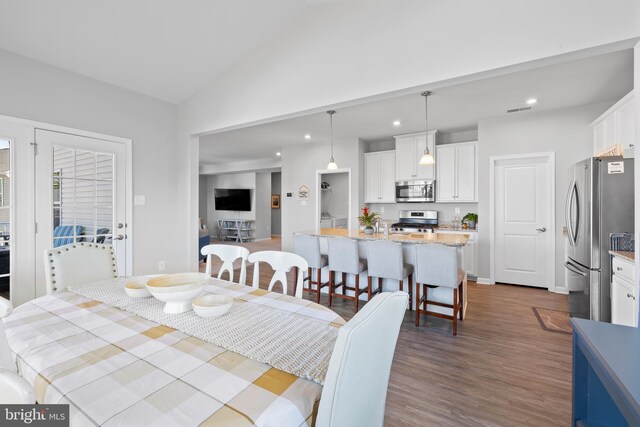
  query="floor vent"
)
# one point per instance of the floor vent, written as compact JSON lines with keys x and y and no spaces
{"x":515,"y":110}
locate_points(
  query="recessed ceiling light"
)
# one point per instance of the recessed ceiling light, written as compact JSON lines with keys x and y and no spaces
{"x":307,"y":136}
{"x":397,"y":123}
{"x":278,"y":154}
{"x":531,"y":101}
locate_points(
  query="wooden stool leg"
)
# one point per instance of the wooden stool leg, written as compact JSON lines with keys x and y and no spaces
{"x":332,"y":275}
{"x":379,"y":284}
{"x":369,"y":288}
{"x":460,"y":291}
{"x":357,"y":291}
{"x":410,"y":291}
{"x":319,"y":284}
{"x":417,"y":295}
{"x":455,"y":312}
{"x":344,"y":283}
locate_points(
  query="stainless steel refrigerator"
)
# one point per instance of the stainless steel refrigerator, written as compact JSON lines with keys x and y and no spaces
{"x":599,"y":202}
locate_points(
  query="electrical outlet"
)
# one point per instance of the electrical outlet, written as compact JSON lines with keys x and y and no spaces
{"x":457,"y":210}
{"x":381,"y":209}
{"x":161,"y":266}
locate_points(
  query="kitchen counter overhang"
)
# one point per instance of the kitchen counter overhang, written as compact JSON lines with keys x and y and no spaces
{"x":457,"y":240}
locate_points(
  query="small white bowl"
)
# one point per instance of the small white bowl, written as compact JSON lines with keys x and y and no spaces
{"x":177,"y":290}
{"x":136,"y":290}
{"x":212,"y":305}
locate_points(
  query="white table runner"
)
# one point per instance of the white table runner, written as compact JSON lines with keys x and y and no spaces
{"x":296,"y":344}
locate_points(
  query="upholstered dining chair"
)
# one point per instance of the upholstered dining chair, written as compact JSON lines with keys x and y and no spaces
{"x":437,"y":266}
{"x":227,"y":254}
{"x":13,"y":388}
{"x":281,"y":263}
{"x":308,"y":247}
{"x":78,"y":263}
{"x":355,"y":388}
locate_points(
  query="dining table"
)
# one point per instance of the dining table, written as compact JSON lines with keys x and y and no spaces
{"x":114,"y":366}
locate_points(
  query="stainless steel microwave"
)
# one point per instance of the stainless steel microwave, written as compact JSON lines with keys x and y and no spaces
{"x":416,"y":191}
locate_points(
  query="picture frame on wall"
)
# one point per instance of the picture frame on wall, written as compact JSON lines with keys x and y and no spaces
{"x":275,"y":201}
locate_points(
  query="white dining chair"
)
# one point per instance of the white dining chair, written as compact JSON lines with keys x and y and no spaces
{"x":355,"y":388}
{"x":281,"y":263}
{"x":78,"y":263}
{"x":13,"y":388}
{"x":227,"y":254}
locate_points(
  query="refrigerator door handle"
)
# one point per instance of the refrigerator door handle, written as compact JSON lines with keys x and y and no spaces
{"x":574,"y":269}
{"x":570,"y":196}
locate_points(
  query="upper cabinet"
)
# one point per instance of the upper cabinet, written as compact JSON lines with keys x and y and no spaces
{"x":616,"y":126}
{"x":409,"y":149}
{"x":380,"y":174}
{"x":457,"y":172}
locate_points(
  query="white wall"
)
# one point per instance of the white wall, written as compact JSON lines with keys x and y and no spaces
{"x":299,"y":166}
{"x":358,"y":50}
{"x":202,"y":196}
{"x":263,"y":206}
{"x":336,"y":200}
{"x":36,"y":91}
{"x":276,"y":214}
{"x":567,"y":132}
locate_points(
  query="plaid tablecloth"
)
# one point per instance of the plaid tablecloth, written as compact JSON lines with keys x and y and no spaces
{"x":115,"y":368}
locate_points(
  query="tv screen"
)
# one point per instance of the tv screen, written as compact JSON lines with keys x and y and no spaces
{"x":228,"y":199}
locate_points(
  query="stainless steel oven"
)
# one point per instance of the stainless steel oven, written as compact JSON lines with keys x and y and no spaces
{"x":416,"y":191}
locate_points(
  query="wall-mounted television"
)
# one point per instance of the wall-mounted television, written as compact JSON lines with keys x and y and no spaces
{"x":232,"y":199}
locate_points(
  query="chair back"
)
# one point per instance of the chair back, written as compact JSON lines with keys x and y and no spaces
{"x":228,"y":254}
{"x":355,"y":388}
{"x":281,"y":263}
{"x":77,"y":264}
{"x":384,"y":259}
{"x":308,"y":247}
{"x":13,"y":388}
{"x":437,"y":265}
{"x":343,"y":255}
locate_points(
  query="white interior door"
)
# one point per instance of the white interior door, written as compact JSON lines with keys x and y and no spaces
{"x":523,"y":239}
{"x":80,"y":195}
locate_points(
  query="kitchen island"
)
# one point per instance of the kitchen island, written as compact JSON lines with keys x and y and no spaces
{"x":409,"y":242}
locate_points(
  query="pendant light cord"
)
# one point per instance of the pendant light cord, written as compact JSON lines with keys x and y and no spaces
{"x":426,"y":120}
{"x":331,"y":113}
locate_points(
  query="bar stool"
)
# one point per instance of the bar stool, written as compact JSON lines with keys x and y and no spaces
{"x":308,"y":247}
{"x":344,"y":258}
{"x":437,"y":266}
{"x":384,"y":261}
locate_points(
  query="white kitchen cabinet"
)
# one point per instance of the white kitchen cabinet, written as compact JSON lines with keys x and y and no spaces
{"x":409,"y":149}
{"x":616,"y":126}
{"x":469,"y":259}
{"x":623,"y":293}
{"x":457,"y":169}
{"x":380,"y":172}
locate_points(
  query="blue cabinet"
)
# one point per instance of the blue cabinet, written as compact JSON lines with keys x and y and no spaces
{"x":606,"y":374}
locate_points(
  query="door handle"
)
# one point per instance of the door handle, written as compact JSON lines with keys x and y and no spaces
{"x":119,"y":237}
{"x":631,"y":296}
{"x":569,"y":202}
{"x":571,"y":268}
{"x":541,"y":230}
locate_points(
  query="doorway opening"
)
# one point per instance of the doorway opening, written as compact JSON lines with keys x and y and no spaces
{"x":334,"y":206}
{"x":6,"y":218}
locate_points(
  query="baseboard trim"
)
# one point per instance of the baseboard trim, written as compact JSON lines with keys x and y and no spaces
{"x":262,"y":240}
{"x":563,"y":291}
{"x":484,"y":281}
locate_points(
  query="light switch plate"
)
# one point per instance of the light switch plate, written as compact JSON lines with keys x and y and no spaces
{"x":457,"y":210}
{"x":139,"y":200}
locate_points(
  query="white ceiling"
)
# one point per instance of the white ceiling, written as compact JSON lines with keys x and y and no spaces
{"x":460,"y":107}
{"x":166,"y":49}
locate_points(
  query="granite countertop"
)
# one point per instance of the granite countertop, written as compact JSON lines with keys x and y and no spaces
{"x":444,"y":239}
{"x":625,"y":255}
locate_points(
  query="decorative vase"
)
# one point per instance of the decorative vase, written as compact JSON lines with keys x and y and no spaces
{"x":472,"y":224}
{"x":368,"y":230}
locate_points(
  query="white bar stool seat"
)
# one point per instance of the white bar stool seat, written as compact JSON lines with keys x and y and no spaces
{"x":308,"y":247}
{"x":345,"y":258}
{"x":385,"y":261}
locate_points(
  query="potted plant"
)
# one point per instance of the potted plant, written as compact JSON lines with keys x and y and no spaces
{"x":471,"y":219}
{"x":368,"y":219}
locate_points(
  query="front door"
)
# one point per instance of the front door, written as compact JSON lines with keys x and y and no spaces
{"x":80,"y":195}
{"x":522,"y":237}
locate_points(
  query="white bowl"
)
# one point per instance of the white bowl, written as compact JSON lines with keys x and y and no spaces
{"x":136,"y":290}
{"x":212,"y":305}
{"x":177,"y":290}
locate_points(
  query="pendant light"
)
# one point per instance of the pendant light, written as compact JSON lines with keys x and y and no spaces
{"x":332,"y":164}
{"x":427,"y":157}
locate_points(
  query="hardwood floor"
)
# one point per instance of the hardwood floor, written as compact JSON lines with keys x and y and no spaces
{"x":502,"y":369}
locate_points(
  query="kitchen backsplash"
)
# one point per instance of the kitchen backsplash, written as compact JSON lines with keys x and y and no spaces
{"x":445,"y":210}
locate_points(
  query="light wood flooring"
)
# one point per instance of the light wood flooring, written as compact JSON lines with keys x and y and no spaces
{"x":502,"y":369}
